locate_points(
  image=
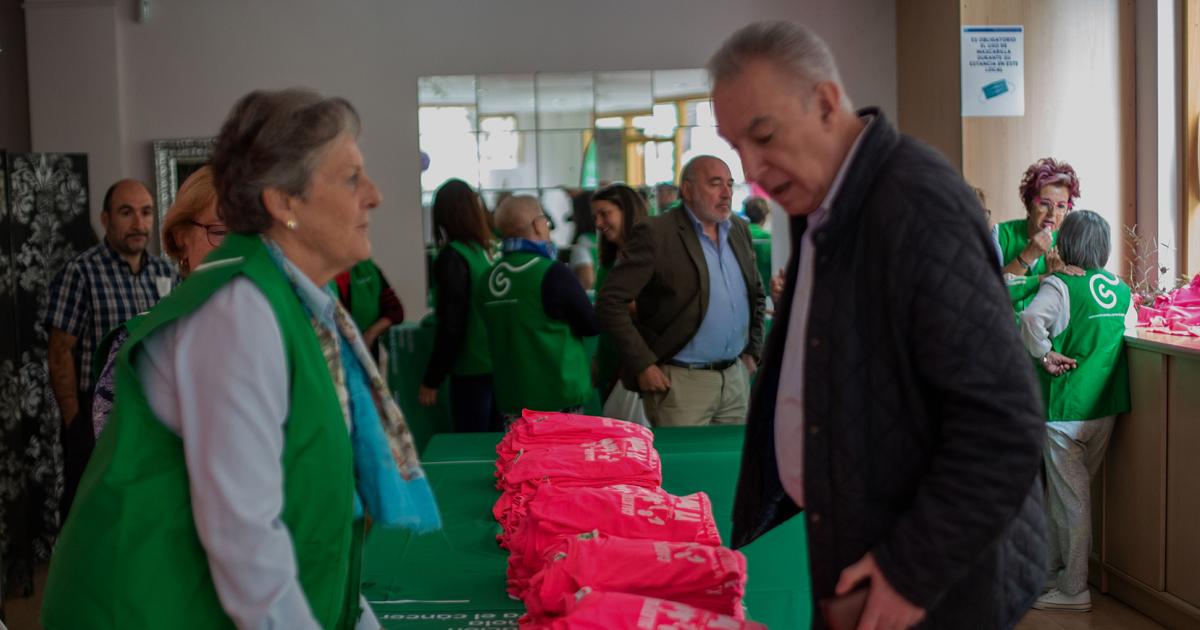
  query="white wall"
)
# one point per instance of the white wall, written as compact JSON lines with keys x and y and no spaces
{"x":102,"y":83}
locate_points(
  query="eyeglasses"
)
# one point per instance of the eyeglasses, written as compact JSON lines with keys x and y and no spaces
{"x":1047,"y":205}
{"x":215,"y":232}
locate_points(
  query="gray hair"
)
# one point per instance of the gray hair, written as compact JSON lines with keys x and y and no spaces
{"x":1084,"y":240}
{"x":793,"y":48}
{"x":685,"y":174}
{"x":273,"y":138}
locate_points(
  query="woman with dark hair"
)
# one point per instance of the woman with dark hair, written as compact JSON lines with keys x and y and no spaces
{"x":253,"y":433}
{"x":460,"y":344}
{"x":1075,"y":328}
{"x":1025,"y":247}
{"x":617,"y":208}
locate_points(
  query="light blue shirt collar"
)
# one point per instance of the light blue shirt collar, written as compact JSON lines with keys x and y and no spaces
{"x":722,"y":226}
{"x":316,"y":299}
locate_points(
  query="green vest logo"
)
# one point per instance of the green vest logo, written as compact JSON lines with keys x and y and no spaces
{"x":499,"y":283}
{"x":1102,"y":290}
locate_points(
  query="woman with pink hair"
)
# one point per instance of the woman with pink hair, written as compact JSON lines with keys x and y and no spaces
{"x":1026,"y":247}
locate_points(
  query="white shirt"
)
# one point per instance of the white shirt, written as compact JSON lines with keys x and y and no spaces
{"x":218,"y":379}
{"x":789,"y":401}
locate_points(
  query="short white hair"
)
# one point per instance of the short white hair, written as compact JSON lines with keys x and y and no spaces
{"x":793,"y":48}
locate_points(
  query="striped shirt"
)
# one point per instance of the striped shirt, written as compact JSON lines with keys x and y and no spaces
{"x":96,"y":292}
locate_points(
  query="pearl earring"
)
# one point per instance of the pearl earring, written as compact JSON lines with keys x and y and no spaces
{"x":291,"y":224}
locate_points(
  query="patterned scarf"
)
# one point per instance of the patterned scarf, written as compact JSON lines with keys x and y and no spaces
{"x":389,"y":478}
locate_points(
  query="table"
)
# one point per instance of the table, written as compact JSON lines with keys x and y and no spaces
{"x":455,"y":578}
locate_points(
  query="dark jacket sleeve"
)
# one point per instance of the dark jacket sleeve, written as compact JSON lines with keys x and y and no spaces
{"x":633,"y":271}
{"x":975,"y":379}
{"x":563,"y":298}
{"x":453,"y":278}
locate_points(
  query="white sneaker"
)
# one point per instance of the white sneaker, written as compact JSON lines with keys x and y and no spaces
{"x":1055,"y":599}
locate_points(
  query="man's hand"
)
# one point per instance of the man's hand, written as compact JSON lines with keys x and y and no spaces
{"x":885,"y":609}
{"x":1057,"y":364}
{"x":750,"y":363}
{"x":777,"y":282}
{"x":427,"y":396}
{"x":653,"y":379}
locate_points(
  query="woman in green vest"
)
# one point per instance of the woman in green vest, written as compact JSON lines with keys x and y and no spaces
{"x":617,"y":208}
{"x":1026,"y":246}
{"x":1075,"y":328}
{"x":460,"y":342}
{"x":368,"y":297}
{"x":246,"y":445}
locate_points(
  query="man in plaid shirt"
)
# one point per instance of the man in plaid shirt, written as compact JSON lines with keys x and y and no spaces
{"x":97,"y":291}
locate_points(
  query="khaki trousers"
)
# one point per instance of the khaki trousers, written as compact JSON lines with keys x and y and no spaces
{"x":700,"y":397}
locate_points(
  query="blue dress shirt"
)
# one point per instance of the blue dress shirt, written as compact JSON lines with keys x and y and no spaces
{"x":725,"y":329}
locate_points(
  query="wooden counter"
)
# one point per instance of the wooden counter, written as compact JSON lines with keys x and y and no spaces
{"x":1146,"y":499}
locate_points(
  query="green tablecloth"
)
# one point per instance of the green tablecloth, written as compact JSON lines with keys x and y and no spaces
{"x":455,"y":578}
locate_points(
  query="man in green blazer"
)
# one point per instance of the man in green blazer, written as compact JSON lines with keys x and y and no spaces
{"x":692,"y":339}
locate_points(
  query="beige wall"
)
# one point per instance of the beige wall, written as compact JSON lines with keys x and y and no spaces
{"x":178,"y":74}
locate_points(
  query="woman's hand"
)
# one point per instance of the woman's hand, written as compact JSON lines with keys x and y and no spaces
{"x":1057,"y":364}
{"x":1038,"y":245}
{"x":427,"y":396}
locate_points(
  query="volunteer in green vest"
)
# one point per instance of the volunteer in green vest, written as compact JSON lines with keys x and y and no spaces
{"x":536,"y":315}
{"x":246,"y":445}
{"x":757,"y":210}
{"x":617,"y":208}
{"x":1025,"y":247}
{"x":1075,"y":328}
{"x":460,"y":342}
{"x":368,"y":297}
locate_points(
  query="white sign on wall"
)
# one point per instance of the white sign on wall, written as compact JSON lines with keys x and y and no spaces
{"x":993,"y":71}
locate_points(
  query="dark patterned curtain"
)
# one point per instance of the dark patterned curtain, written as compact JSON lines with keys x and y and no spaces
{"x":43,"y":224}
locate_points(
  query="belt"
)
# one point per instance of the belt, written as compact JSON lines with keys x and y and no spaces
{"x":717,"y":366}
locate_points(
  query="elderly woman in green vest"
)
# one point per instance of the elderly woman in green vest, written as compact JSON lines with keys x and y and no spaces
{"x":1075,"y":328}
{"x":460,"y":342}
{"x":251,"y":432}
{"x":1026,"y":246}
{"x":617,"y":209}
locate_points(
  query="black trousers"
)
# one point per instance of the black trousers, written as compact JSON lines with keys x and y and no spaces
{"x":78,"y":439}
{"x":472,"y":404}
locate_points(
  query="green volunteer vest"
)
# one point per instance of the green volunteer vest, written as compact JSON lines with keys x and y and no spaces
{"x":538,"y":362}
{"x":1095,"y":338}
{"x":129,"y":556}
{"x":1014,"y":237}
{"x":474,"y":357}
{"x":761,"y":240}
{"x":365,"y":287}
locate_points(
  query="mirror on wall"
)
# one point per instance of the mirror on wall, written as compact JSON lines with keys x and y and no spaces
{"x":554,"y":135}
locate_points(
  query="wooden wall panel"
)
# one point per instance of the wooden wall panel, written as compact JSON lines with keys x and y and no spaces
{"x":1183,"y":473}
{"x":1079,"y":107}
{"x":1135,"y":475}
{"x":927,"y":74}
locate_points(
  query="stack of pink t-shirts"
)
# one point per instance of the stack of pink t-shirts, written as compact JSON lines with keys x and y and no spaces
{"x":597,"y":610}
{"x":540,"y":429}
{"x":555,"y":513}
{"x":707,"y":577}
{"x":1176,"y":313}
{"x":589,"y":462}
{"x":569,"y":450}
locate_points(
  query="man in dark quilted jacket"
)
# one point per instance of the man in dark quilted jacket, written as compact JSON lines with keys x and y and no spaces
{"x":894,"y":406}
